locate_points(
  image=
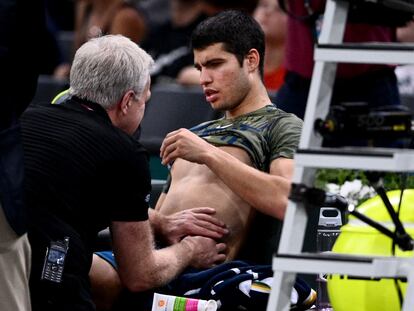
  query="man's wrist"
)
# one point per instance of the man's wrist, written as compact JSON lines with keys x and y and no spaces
{"x":188,"y":245}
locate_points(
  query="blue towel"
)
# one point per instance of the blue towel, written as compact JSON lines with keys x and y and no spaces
{"x":233,"y":285}
{"x":237,"y":284}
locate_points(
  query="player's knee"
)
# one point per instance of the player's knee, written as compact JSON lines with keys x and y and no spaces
{"x":105,"y":283}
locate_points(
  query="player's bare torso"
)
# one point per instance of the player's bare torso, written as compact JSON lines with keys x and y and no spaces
{"x":195,"y":185}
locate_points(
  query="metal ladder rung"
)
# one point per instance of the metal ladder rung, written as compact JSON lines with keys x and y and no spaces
{"x":396,"y":160}
{"x":365,"y":54}
{"x":359,"y":266}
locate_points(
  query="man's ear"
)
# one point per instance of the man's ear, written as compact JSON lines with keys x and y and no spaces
{"x":253,"y":59}
{"x":125,"y":102}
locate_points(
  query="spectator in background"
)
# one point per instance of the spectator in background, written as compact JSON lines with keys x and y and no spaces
{"x":101,"y":17}
{"x":374,"y":84}
{"x":21,"y":24}
{"x":406,"y":33}
{"x":155,"y":12}
{"x":95,"y":18}
{"x":169,"y":44}
{"x":273,"y":22}
{"x":405,"y":73}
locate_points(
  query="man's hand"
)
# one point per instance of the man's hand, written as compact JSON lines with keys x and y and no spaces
{"x":194,"y":221}
{"x":206,"y":252}
{"x":184,"y":144}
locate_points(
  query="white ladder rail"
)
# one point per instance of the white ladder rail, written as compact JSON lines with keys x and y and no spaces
{"x":323,"y":75}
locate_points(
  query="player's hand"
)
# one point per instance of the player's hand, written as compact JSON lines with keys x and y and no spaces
{"x":184,"y":144}
{"x":206,"y":252}
{"x":195,"y":221}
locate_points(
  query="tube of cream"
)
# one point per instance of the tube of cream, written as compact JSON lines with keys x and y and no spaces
{"x":173,"y":303}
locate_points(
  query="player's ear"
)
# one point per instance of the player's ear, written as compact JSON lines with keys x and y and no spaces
{"x":253,"y":59}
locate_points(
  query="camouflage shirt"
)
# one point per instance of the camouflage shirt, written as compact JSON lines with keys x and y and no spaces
{"x":265,"y":134}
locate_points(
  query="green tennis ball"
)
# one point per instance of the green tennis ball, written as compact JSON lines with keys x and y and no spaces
{"x":360,"y":239}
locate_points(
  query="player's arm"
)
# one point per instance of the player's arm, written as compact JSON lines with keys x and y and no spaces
{"x":267,"y":192}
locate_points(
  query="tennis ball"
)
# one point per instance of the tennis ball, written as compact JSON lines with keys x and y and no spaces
{"x":347,"y":293}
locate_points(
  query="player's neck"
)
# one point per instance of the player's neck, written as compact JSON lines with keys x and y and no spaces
{"x":256,"y":99}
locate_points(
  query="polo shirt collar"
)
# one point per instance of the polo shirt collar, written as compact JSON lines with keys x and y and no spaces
{"x":80,"y":104}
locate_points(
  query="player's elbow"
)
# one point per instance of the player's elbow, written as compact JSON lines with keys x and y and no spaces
{"x":276,"y":206}
{"x":283,"y":201}
{"x":280,"y":207}
{"x":276,"y":199}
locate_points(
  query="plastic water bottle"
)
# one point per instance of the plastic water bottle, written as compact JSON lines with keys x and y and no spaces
{"x":329,"y":224}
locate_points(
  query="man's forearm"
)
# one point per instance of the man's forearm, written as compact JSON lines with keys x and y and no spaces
{"x":146,"y":268}
{"x":140,"y":266}
{"x":167,"y":264}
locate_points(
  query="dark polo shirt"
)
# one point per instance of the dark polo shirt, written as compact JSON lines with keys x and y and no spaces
{"x":81,"y":174}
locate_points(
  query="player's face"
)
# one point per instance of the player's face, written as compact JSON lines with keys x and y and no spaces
{"x":225,"y":83}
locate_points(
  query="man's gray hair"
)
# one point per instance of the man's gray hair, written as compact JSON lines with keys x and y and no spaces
{"x":105,"y":68}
